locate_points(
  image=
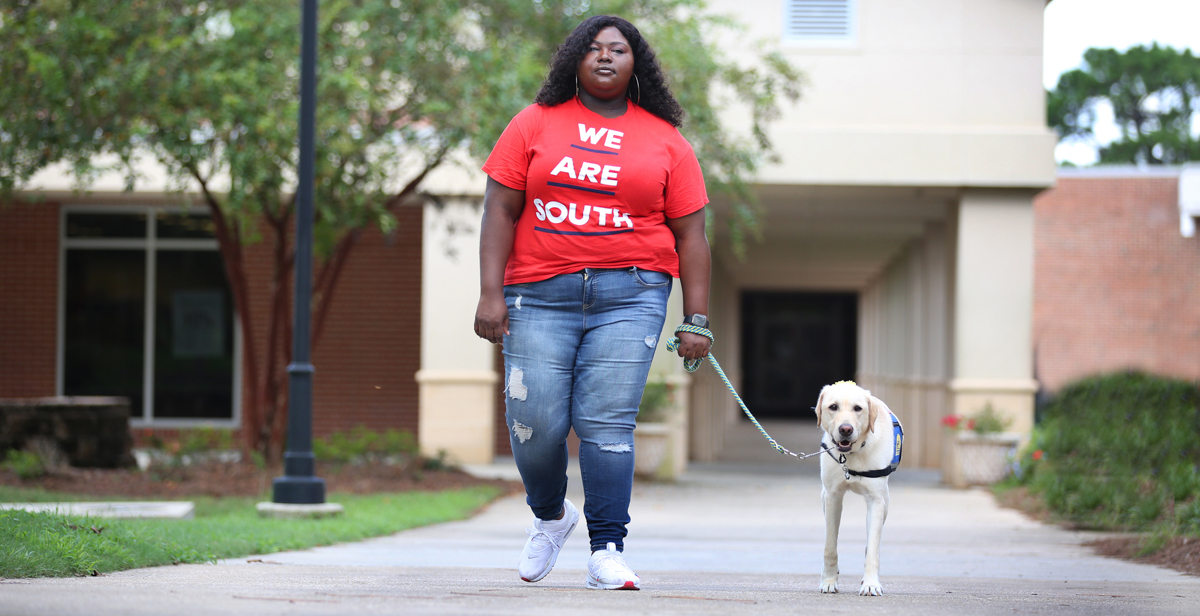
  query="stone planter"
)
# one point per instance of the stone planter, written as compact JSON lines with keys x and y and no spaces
{"x":660,"y":438}
{"x":92,"y":432}
{"x":981,"y":459}
{"x":652,"y":450}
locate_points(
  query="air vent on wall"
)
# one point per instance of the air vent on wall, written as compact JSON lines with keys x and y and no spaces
{"x":819,"y":21}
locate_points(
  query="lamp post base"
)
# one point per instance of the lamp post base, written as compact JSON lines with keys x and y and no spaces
{"x":287,"y":511}
{"x":298,"y":490}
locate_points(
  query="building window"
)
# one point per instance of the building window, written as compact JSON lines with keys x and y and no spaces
{"x":821,"y":23}
{"x":146,"y":313}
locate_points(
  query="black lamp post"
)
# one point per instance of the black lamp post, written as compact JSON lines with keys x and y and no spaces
{"x":299,"y":484}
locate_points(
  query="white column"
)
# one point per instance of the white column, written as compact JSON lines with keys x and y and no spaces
{"x":993,"y":306}
{"x":457,"y":378}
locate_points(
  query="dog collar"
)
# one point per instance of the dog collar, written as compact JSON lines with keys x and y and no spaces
{"x":897,"y":452}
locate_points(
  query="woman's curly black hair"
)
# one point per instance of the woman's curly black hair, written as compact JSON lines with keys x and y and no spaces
{"x":649,"y":90}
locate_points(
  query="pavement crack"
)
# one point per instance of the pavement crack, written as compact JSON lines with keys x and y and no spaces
{"x":289,"y":600}
{"x":749,"y":601}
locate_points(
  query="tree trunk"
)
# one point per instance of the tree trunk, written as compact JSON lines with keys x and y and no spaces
{"x":229,"y":244}
{"x":265,"y":414}
{"x":274,"y":418}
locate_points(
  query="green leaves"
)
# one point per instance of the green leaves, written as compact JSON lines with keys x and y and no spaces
{"x":209,"y":89}
{"x":1153,"y":92}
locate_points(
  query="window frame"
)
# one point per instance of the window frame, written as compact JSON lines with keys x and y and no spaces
{"x":151,"y":245}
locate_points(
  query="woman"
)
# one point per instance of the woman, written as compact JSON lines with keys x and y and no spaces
{"x":593,"y":203}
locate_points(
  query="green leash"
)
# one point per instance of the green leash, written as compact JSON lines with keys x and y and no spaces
{"x":691,"y":365}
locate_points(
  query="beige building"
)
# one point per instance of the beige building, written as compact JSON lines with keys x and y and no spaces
{"x":898,"y":234}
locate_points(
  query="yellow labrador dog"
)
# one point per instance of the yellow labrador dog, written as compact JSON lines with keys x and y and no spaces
{"x":862,"y":440}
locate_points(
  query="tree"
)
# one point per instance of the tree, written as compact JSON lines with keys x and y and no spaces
{"x":208,"y":90}
{"x":1154,"y":93}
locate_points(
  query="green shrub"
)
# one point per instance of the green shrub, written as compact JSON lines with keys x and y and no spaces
{"x":362,"y":444}
{"x":988,"y":421}
{"x":26,"y":464}
{"x":204,"y":439}
{"x":1120,"y":451}
{"x":656,"y":398}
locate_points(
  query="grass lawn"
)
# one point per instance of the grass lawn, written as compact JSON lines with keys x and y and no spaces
{"x":47,"y":545}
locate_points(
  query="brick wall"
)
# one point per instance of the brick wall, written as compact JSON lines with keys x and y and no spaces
{"x":28,"y":299}
{"x":367,"y":356}
{"x":1116,"y":286}
{"x":371,"y":348}
{"x":364,"y":363}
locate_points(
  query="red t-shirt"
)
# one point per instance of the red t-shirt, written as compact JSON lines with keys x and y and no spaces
{"x":597,"y":190}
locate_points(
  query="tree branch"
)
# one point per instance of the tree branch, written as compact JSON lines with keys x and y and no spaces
{"x":411,"y":188}
{"x":331,"y":273}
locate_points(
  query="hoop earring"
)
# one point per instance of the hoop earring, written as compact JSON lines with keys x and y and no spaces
{"x":639,"y":90}
{"x":576,"y":84}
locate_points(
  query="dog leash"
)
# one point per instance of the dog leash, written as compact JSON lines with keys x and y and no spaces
{"x":691,"y":365}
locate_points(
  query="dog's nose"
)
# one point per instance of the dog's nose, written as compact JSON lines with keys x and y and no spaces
{"x":845,"y":429}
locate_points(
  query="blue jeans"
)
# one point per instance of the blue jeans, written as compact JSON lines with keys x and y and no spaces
{"x":577,"y":355}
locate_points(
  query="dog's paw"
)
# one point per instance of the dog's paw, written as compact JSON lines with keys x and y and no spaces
{"x":829,"y":585}
{"x":870,"y":588}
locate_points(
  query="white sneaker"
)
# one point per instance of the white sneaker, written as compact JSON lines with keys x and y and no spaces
{"x":607,"y":571}
{"x":545,"y":540}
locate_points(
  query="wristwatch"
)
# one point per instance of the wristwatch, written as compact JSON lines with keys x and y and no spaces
{"x":697,"y":320}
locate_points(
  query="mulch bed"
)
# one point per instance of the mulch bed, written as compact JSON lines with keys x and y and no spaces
{"x":245,"y":479}
{"x":1180,"y":553}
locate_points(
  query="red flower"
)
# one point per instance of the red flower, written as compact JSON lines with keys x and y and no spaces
{"x":950,"y":421}
{"x":1037,"y":455}
{"x":970,"y":424}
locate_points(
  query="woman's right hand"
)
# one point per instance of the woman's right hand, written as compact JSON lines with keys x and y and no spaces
{"x":491,"y":318}
{"x":502,"y":208}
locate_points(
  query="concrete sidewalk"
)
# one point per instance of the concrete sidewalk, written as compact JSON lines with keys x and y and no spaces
{"x":729,"y":538}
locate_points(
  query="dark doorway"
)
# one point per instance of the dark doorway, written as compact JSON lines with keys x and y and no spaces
{"x":792,"y":345}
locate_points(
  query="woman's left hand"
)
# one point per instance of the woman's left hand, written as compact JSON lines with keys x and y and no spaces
{"x":695,"y":270}
{"x":693,"y":346}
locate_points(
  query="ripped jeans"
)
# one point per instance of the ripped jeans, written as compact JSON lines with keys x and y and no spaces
{"x":577,"y":355}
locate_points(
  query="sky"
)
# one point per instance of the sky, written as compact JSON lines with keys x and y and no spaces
{"x":1071,"y":26}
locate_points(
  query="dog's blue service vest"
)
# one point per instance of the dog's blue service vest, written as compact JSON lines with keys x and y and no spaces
{"x":897,"y":452}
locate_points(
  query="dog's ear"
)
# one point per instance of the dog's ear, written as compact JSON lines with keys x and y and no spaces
{"x":873,"y":406}
{"x":820,"y":403}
